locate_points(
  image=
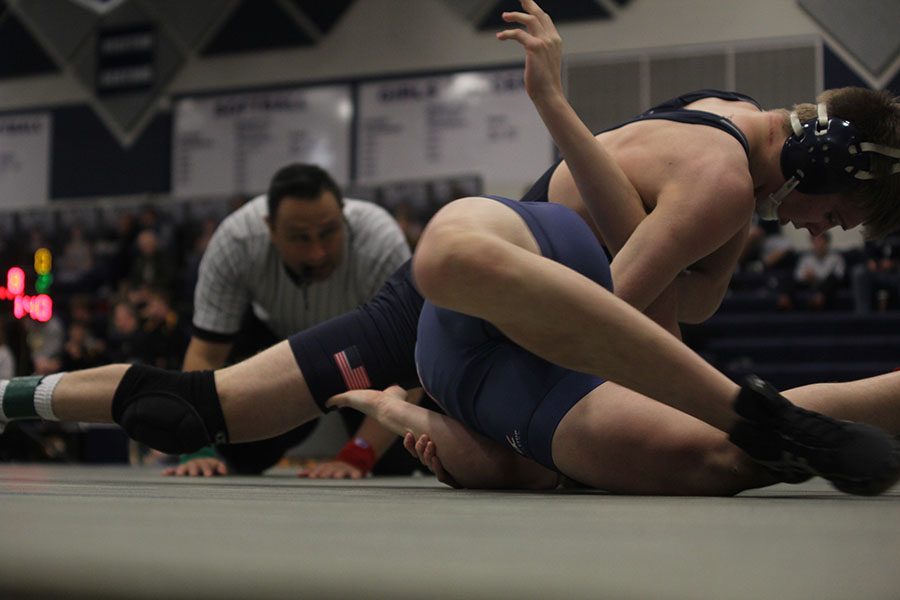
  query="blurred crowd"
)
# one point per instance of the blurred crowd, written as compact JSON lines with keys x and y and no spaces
{"x":121,"y":286}
{"x":862,"y":279}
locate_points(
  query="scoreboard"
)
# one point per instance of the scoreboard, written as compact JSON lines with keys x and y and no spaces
{"x":37,"y":305}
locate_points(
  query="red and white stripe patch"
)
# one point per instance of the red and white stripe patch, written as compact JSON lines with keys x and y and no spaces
{"x":355,"y":377}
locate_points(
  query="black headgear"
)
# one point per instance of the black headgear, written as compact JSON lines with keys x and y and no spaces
{"x":824,"y":156}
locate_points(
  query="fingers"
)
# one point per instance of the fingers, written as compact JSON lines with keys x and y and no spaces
{"x":409,"y":442}
{"x":208,"y":467}
{"x":425,"y":451}
{"x":333,"y":469}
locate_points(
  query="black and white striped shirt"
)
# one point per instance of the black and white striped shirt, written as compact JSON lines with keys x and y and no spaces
{"x":241,"y":268}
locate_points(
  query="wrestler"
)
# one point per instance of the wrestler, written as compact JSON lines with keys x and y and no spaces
{"x":613,"y":341}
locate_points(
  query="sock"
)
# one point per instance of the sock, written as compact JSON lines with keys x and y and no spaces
{"x":28,"y":397}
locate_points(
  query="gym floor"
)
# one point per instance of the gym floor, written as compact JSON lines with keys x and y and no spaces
{"x":121,"y":532}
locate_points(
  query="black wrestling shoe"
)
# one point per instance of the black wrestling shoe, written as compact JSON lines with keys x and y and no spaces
{"x":796,"y":443}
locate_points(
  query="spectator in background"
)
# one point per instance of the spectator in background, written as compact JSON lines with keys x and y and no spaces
{"x":118,"y":245}
{"x":7,"y":358}
{"x":150,"y":217}
{"x":880,"y":273}
{"x":191,"y":269}
{"x":768,"y":259}
{"x":82,"y":350}
{"x":76,"y":260}
{"x":152,"y":267}
{"x":165,"y":336}
{"x":81,"y":310}
{"x":125,"y":337}
{"x":45,"y":343}
{"x":818,"y":275}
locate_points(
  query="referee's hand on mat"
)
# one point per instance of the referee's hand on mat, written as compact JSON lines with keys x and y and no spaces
{"x":198,"y":467}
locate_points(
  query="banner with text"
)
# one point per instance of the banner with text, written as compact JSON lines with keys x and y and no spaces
{"x":234,"y":144}
{"x":478,"y":122}
{"x":24,"y":160}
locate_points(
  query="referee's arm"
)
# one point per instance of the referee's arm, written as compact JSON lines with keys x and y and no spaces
{"x":205,"y":355}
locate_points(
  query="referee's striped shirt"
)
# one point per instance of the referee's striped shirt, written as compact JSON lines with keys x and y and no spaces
{"x":241,"y":268}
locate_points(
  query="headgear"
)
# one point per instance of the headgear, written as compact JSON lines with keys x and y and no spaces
{"x":824,"y":156}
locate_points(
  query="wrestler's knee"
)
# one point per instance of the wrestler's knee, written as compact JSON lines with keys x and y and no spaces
{"x":454,"y":259}
{"x":169,"y":411}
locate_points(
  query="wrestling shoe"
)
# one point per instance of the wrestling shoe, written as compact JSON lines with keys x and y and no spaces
{"x":796,"y":443}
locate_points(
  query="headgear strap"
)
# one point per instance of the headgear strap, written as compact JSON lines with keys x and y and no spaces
{"x":824,"y":156}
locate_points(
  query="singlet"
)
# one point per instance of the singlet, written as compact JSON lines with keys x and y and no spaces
{"x":670,"y":110}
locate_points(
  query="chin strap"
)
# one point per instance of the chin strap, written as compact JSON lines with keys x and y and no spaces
{"x":767,"y":208}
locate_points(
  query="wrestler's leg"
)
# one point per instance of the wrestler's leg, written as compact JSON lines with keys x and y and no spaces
{"x":265,"y":395}
{"x":260,"y":397}
{"x":478,"y":257}
{"x":874,"y":400}
{"x":621,"y":441}
{"x":473,"y":460}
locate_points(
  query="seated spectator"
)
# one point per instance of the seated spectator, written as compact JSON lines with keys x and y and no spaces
{"x":7,"y":358}
{"x":879,"y":276}
{"x":165,"y":335}
{"x":82,"y":350}
{"x":768,"y":259}
{"x":45,"y":343}
{"x":82,"y":310}
{"x":76,"y":260}
{"x":151,"y":267}
{"x":126,"y":338}
{"x":818,"y":275}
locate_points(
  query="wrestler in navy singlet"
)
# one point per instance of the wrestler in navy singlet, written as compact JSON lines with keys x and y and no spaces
{"x":670,"y":110}
{"x":379,"y":337}
{"x":482,"y":378}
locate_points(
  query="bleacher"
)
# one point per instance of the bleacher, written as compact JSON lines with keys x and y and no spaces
{"x":794,"y":348}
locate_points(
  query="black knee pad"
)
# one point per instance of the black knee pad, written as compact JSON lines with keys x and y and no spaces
{"x":170,"y":411}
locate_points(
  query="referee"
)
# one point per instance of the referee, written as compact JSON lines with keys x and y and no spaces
{"x":283,"y":262}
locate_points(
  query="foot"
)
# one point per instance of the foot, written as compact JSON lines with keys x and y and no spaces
{"x":797,"y":444}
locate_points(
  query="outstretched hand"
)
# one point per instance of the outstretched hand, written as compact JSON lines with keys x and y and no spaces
{"x":366,"y":401}
{"x":332,"y":469}
{"x":543,"y":50}
{"x":198,"y":467}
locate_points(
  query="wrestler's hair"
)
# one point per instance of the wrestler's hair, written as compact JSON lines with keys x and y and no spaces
{"x":877,"y":116}
{"x":306,"y":182}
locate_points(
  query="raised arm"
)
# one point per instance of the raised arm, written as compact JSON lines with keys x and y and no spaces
{"x":610,"y":197}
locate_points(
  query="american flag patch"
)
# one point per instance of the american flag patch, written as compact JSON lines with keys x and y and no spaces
{"x":350,"y":364}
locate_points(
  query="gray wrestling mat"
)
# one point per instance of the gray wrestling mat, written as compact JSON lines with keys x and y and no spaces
{"x":117,"y":532}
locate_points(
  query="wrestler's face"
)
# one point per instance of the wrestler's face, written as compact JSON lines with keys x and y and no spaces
{"x":309,"y":235}
{"x":818,"y":213}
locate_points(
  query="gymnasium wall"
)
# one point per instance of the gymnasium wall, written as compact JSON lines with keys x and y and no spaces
{"x":775,"y":49}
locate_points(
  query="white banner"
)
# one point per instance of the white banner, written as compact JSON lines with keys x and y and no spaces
{"x":473,"y":122}
{"x":234,"y":144}
{"x":24,"y":160}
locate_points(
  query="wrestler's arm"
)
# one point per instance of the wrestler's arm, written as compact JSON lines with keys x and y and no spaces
{"x":689,"y":223}
{"x":472,"y":460}
{"x":353,"y":463}
{"x":702,"y":287}
{"x":609,"y":196}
